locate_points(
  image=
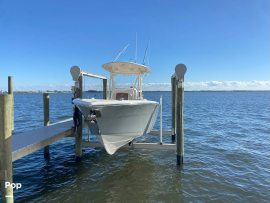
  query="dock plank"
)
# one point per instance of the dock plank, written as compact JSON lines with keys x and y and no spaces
{"x":27,"y":142}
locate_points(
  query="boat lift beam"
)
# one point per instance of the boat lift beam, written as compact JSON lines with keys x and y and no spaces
{"x":93,"y":75}
{"x":76,"y":72}
{"x":135,"y":145}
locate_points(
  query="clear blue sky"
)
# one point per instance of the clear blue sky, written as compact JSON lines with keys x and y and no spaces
{"x":218,"y":40}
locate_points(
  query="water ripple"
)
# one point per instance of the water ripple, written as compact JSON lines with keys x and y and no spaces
{"x":227,"y":155}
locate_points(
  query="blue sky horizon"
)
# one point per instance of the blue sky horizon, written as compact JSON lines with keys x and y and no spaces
{"x":224,"y":44}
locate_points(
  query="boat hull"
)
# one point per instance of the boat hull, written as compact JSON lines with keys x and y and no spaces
{"x":119,"y":122}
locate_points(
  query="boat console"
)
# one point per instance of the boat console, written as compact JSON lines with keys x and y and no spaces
{"x":125,"y":93}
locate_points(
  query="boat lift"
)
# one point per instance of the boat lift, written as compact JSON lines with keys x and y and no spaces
{"x":78,"y":74}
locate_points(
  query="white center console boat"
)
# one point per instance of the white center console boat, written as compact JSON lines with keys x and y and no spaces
{"x":125,"y":115}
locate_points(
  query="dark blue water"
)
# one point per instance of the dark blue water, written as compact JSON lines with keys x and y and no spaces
{"x":227,"y":155}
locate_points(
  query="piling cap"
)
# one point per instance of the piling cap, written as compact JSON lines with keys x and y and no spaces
{"x":75,"y":72}
{"x":180,"y":70}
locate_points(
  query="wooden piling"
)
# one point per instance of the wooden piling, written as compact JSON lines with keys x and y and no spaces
{"x":10,"y":91}
{"x":5,"y":147}
{"x":78,"y":142}
{"x":180,"y":71}
{"x":104,"y":88}
{"x":46,"y":111}
{"x":179,"y":126}
{"x":173,"y":86}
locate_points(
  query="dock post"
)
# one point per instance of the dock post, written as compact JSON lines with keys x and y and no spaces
{"x":173,"y":84}
{"x":160,"y":122}
{"x":104,"y":88}
{"x":5,"y":147}
{"x":78,"y":144}
{"x":46,"y":111}
{"x":180,"y":71}
{"x":10,"y":91}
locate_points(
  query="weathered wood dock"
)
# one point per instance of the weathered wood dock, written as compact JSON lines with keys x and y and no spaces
{"x":15,"y":146}
{"x":28,"y":142}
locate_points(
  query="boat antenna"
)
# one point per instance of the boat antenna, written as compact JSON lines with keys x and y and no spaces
{"x":145,"y":53}
{"x":148,"y":53}
{"x":121,"y":52}
{"x":136,"y":48}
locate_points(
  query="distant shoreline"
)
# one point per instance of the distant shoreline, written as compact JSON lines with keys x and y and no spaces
{"x":95,"y":91}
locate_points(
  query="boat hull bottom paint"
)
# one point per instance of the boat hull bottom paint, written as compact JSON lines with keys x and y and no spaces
{"x":119,"y":122}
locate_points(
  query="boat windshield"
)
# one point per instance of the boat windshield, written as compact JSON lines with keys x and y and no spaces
{"x":125,"y":81}
{"x":131,"y":84}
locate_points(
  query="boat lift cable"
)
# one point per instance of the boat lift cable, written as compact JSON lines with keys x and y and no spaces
{"x":121,"y":52}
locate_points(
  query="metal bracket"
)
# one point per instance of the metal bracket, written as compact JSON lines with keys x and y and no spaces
{"x":180,"y":83}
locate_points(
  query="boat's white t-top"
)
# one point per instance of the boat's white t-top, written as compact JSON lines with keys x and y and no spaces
{"x":126,"y":68}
